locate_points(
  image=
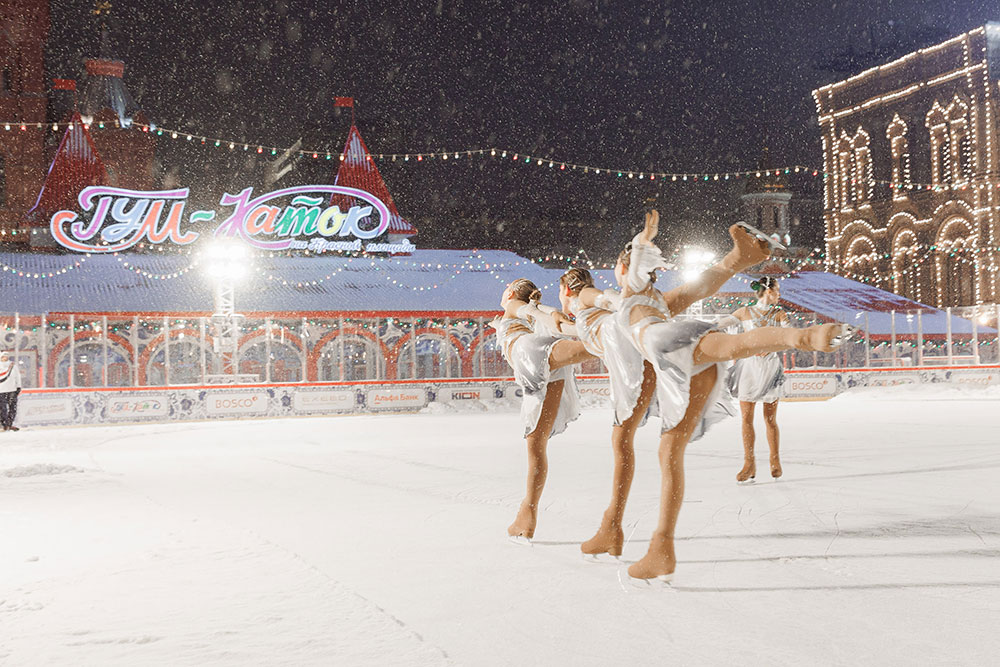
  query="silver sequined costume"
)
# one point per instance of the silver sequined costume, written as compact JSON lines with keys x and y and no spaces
{"x":527,"y":353}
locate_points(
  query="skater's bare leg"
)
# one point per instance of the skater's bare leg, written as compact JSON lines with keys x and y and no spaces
{"x":660,"y":558}
{"x":568,"y":353}
{"x":749,"y":436}
{"x":716,"y":346}
{"x":610,"y":537}
{"x":538,"y":464}
{"x":771,"y":423}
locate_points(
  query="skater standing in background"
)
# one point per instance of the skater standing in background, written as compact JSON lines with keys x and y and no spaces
{"x":10,"y":388}
{"x":758,"y":379}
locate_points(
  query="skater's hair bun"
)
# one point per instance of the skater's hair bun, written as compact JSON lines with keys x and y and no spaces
{"x":576,"y":280}
{"x":763,"y":284}
{"x":523,"y":289}
{"x":626,"y":258}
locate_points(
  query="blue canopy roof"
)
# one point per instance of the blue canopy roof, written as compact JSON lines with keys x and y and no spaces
{"x":428,"y":280}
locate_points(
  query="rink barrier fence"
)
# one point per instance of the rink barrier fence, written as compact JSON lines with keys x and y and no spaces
{"x":110,"y":405}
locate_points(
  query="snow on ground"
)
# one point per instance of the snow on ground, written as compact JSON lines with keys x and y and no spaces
{"x":380,"y":541}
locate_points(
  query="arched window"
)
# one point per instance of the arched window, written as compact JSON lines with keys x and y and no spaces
{"x":906,"y":275}
{"x":488,"y":360}
{"x":185,"y":363}
{"x":350,"y":358}
{"x":960,"y":141}
{"x":956,"y":263}
{"x":937,"y":125}
{"x":436,"y":357}
{"x":863,"y":175}
{"x":861,"y":260}
{"x":845,"y":172}
{"x":88,"y":365}
{"x":285,"y":361}
{"x":899,"y":147}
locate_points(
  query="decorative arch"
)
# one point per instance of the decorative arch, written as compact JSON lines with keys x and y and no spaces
{"x":153,"y":346}
{"x":906,"y":274}
{"x":315,"y":353}
{"x":278,"y":372}
{"x":861,"y":257}
{"x":484,"y":351}
{"x":956,"y":263}
{"x":464,"y":361}
{"x":119,"y":343}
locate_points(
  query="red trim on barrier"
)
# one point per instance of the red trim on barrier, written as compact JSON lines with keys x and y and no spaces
{"x":475,"y":380}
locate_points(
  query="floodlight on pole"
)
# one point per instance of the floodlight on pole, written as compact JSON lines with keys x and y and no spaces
{"x":226,"y":263}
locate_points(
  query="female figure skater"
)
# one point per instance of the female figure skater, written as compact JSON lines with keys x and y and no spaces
{"x":685,"y":355}
{"x":633,"y":385}
{"x":758,"y":379}
{"x":543,"y":368}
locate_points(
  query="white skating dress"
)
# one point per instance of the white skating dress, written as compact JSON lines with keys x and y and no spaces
{"x":758,"y":379}
{"x":603,"y":337}
{"x":527,"y":353}
{"x":668,"y":344}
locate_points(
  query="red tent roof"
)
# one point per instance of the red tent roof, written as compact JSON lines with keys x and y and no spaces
{"x":75,"y":166}
{"x":358,"y":170}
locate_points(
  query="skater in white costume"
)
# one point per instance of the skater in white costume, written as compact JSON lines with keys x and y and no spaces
{"x":530,"y":338}
{"x":633,"y":386}
{"x":758,"y":379}
{"x":685,"y":354}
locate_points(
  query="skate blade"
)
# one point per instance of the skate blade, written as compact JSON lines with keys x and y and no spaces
{"x":520,"y":540}
{"x":746,"y":482}
{"x":753,"y":231}
{"x":661,"y":582}
{"x":605,"y":558}
{"x":846,"y":331}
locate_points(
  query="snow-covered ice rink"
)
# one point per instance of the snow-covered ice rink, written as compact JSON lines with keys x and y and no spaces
{"x":368,"y":540}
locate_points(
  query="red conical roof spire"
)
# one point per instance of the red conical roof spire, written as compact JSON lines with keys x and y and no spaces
{"x":75,"y":167}
{"x":358,"y":170}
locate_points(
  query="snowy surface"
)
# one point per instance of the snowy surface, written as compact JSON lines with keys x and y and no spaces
{"x":380,"y":541}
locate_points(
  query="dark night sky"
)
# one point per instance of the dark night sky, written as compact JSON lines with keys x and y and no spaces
{"x":690,"y":85}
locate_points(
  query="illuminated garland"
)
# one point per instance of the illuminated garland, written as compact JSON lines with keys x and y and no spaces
{"x":513,"y":155}
{"x":21,"y":273}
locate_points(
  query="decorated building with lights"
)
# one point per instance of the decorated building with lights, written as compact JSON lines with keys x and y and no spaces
{"x":910,"y":152}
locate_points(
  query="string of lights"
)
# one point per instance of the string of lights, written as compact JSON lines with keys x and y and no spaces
{"x":515,"y":157}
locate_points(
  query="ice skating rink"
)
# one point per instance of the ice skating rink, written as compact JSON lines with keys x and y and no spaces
{"x":381,"y":541}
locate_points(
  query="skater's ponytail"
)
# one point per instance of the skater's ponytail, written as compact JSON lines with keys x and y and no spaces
{"x":575,"y":280}
{"x":523,"y":289}
{"x":763,"y":284}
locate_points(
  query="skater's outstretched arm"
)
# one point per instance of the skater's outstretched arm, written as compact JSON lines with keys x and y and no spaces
{"x":746,"y":252}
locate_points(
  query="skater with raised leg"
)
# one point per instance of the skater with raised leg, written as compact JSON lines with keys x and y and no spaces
{"x":686,"y":354}
{"x":543,"y":368}
{"x":633,"y":386}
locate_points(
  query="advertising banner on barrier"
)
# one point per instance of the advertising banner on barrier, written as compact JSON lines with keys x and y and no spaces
{"x":977,"y":378}
{"x":31,"y":410}
{"x":893,"y":378}
{"x":324,"y":400}
{"x":600,"y":390}
{"x":478,"y":392}
{"x":397,"y":397}
{"x":232,"y":403}
{"x":811,"y":385}
{"x":138,"y":406}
